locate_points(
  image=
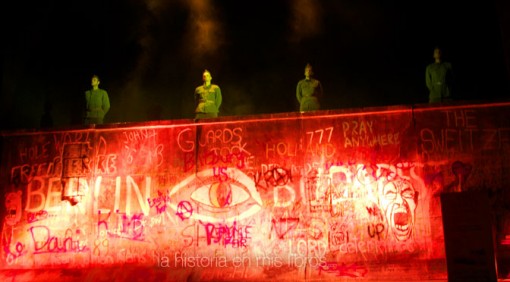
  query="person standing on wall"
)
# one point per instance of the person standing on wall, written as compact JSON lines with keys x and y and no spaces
{"x":207,"y":98}
{"x":439,"y":79}
{"x":97,"y":103}
{"x":309,"y":91}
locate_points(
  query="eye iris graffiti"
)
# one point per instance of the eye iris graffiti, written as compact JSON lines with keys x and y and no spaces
{"x":220,"y":194}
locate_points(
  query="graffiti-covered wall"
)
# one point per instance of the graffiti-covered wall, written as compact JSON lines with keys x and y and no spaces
{"x":351,"y":194}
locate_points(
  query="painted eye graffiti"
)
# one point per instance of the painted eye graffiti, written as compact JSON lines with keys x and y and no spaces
{"x":390,"y":195}
{"x":220,"y":195}
{"x":218,"y":201}
{"x":408,"y":193}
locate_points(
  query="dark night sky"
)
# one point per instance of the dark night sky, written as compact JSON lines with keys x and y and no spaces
{"x":150,"y":54}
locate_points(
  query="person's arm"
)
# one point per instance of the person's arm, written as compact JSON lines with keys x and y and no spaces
{"x":428,"y":79}
{"x":450,"y":80}
{"x":106,"y":102}
{"x":218,"y":98}
{"x":319,"y":89}
{"x":197,"y":99}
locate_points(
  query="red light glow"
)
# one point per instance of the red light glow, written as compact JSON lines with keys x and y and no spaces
{"x":312,"y":196}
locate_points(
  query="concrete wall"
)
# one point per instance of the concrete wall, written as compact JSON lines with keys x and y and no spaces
{"x":327,"y":195}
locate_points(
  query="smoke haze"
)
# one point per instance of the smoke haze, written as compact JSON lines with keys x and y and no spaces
{"x":150,"y":54}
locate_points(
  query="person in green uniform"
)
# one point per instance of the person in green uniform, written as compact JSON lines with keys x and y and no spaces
{"x":207,"y":98}
{"x":97,"y":103}
{"x":439,"y":79}
{"x":309,"y":91}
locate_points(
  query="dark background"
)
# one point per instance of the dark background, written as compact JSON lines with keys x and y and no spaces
{"x":150,"y":54}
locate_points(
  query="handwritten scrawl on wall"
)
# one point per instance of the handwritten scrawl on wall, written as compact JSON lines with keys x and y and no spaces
{"x":325,"y":195}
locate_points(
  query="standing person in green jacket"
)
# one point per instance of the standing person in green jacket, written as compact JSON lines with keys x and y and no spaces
{"x":309,"y":91}
{"x":207,"y":98}
{"x":439,"y":79}
{"x":97,"y":103}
